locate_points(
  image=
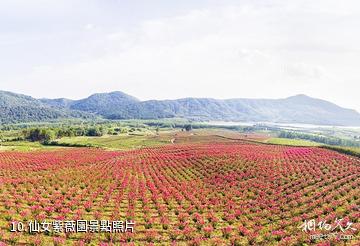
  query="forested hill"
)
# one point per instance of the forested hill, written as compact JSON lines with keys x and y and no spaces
{"x":118,"y":105}
{"x":16,"y":108}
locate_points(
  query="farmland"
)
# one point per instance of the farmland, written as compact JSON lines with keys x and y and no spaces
{"x":292,"y":142}
{"x":199,"y":189}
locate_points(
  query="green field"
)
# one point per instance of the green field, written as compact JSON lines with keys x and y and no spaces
{"x":137,"y":139}
{"x":123,"y":135}
{"x":355,"y":151}
{"x":116,"y":142}
{"x":150,"y":138}
{"x":292,"y":142}
{"x":23,"y":146}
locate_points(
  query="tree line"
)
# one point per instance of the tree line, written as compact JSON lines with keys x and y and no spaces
{"x":46,"y":135}
{"x":319,"y":138}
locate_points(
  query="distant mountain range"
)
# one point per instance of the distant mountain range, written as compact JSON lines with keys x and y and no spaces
{"x":118,"y":105}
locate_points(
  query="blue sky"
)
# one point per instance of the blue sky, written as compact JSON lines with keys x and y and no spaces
{"x":172,"y":49}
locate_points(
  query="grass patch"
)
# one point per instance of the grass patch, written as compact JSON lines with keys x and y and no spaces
{"x":22,"y":146}
{"x":114,"y":142}
{"x":354,"y":151}
{"x":292,"y":142}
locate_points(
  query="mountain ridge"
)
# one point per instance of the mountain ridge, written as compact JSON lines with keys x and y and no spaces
{"x":119,"y":105}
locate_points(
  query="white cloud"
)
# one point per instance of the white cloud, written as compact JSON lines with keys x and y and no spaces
{"x":89,"y":26}
{"x":254,"y":49}
{"x":303,"y":70}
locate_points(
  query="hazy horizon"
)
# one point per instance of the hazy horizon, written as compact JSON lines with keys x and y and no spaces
{"x":160,"y":50}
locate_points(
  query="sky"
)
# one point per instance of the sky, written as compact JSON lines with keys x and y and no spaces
{"x":164,"y":49}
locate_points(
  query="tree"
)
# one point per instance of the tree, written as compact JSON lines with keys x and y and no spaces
{"x":188,"y":127}
{"x":34,"y":135}
{"x":47,"y":135}
{"x":41,"y":135}
{"x":95,"y":132}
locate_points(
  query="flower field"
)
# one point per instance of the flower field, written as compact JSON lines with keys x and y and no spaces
{"x":185,"y":194}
